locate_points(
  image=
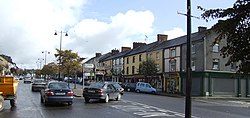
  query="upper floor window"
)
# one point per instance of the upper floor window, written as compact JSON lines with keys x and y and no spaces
{"x":215,"y":65}
{"x":193,"y":65}
{"x":216,"y":47}
{"x":127,"y":70}
{"x":140,"y":57}
{"x":127,"y":60}
{"x":192,"y":48}
{"x":172,"y":65}
{"x":157,"y":55}
{"x":133,"y":59}
{"x":133,"y":69}
{"x":150,"y":56}
{"x":172,"y":53}
{"x":158,"y":67}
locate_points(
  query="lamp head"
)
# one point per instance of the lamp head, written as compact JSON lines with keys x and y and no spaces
{"x":66,"y":34}
{"x":55,"y":33}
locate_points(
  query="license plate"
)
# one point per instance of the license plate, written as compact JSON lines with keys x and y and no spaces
{"x":60,"y":93}
{"x":91,"y":91}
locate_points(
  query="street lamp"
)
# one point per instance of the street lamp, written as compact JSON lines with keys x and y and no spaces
{"x":66,"y":34}
{"x":40,"y":62}
{"x":45,"y":55}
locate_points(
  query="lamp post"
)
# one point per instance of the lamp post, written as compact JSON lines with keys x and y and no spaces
{"x":40,"y":62}
{"x":59,"y":71}
{"x":45,"y":55}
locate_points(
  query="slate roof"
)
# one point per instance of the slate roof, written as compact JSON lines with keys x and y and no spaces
{"x":179,"y":40}
{"x":143,"y":48}
{"x":118,"y":55}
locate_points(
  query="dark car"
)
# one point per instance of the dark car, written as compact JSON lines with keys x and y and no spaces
{"x":129,"y":86}
{"x":101,"y":90}
{"x":58,"y":92}
{"x":38,"y":85}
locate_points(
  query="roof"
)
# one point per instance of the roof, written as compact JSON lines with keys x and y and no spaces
{"x":180,"y":40}
{"x":143,"y":48}
{"x":118,"y":55}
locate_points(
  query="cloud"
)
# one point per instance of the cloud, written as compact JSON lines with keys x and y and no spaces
{"x":27,"y":29}
{"x":174,"y":33}
{"x":91,"y":36}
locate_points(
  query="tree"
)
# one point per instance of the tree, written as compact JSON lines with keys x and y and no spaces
{"x":148,"y":68}
{"x":50,"y":69}
{"x":234,"y":28}
{"x":70,"y":62}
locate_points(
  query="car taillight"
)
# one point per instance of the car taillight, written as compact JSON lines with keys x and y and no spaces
{"x":50,"y":93}
{"x":70,"y":93}
{"x":100,"y":92}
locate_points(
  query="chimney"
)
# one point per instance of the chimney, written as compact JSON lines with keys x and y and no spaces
{"x":114,"y":51}
{"x":162,"y":37}
{"x":138,"y":44}
{"x":200,"y":28}
{"x":125,"y":49}
{"x":98,"y":54}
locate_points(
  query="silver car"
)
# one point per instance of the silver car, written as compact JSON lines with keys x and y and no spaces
{"x":38,"y":85}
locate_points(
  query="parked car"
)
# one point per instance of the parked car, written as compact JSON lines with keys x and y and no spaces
{"x":144,"y":87}
{"x":118,"y":87}
{"x":27,"y":80}
{"x":101,"y":90}
{"x":38,"y":85}
{"x":129,"y":86}
{"x":58,"y":92}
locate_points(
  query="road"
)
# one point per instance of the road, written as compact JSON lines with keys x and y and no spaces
{"x":132,"y":105}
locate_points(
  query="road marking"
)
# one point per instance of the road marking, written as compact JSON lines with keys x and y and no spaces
{"x":147,"y":111}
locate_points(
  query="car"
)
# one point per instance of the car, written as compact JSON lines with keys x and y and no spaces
{"x":27,"y":80}
{"x":103,"y":91}
{"x":57,"y":92}
{"x":144,"y":87}
{"x":38,"y":85}
{"x":129,"y":86}
{"x":118,"y":87}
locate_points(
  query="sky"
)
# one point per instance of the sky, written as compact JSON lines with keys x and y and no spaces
{"x":27,"y":27}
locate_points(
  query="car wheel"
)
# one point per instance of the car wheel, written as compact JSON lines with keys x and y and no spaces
{"x":106,"y":100}
{"x":118,"y":97}
{"x":1,"y":103}
{"x":41,"y":99}
{"x":70,"y":103}
{"x":13,"y":103}
{"x":137,"y":90}
{"x":45,"y":102}
{"x":32,"y":89}
{"x":153,"y":92}
{"x":86,"y":100}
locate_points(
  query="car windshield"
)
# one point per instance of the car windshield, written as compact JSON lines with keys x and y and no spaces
{"x":58,"y":85}
{"x":38,"y":81}
{"x":96,"y":85}
{"x":117,"y":85}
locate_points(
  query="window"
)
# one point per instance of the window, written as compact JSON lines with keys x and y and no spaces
{"x":133,"y":59}
{"x":172,"y":65}
{"x":172,"y":53}
{"x":133,"y":69}
{"x":127,"y":70}
{"x":192,"y":48}
{"x":193,"y":65}
{"x":127,"y":60}
{"x":150,"y":56}
{"x":216,"y":48}
{"x":140,"y":57}
{"x":157,"y":55}
{"x":215,"y":64}
{"x":158,"y":67}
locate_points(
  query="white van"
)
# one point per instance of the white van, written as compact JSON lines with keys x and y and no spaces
{"x":144,"y":87}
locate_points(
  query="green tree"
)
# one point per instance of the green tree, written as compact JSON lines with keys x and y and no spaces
{"x":233,"y":26}
{"x":50,"y":69}
{"x":70,"y":62}
{"x":148,"y":68}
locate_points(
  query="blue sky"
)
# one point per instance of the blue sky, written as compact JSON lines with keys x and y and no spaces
{"x":27,"y":26}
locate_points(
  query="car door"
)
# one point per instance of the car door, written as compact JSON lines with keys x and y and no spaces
{"x":148,"y":88}
{"x":112,"y":91}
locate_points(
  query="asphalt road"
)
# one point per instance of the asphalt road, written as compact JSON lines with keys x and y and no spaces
{"x":132,"y":105}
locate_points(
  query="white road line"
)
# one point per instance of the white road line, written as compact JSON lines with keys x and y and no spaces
{"x":146,"y":111}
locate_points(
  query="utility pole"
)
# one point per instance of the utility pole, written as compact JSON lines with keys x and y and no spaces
{"x":188,"y":105}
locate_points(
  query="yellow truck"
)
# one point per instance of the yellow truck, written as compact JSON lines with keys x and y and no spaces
{"x":8,"y":88}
